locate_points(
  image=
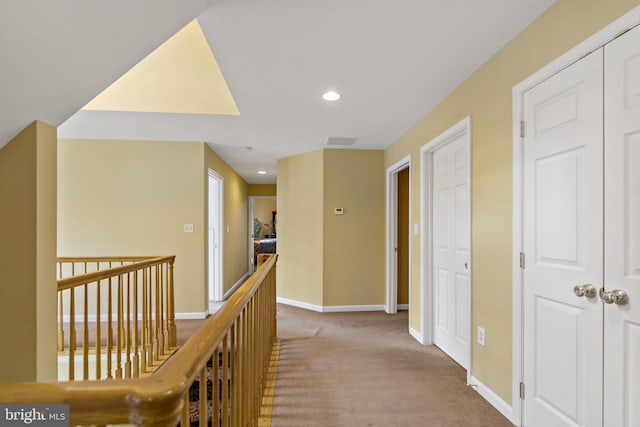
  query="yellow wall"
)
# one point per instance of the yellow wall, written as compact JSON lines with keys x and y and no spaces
{"x":353,"y":249}
{"x":28,"y":255}
{"x":486,"y":96}
{"x":300,"y":235}
{"x":236,"y":218}
{"x":263,"y":210}
{"x":262,"y":189}
{"x":327,"y":259}
{"x":133,"y":198}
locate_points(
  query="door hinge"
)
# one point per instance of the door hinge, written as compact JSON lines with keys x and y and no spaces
{"x":521,"y":390}
{"x":522,"y":260}
{"x":521,"y":129}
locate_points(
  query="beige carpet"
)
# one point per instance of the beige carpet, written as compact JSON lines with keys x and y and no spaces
{"x":363,"y":369}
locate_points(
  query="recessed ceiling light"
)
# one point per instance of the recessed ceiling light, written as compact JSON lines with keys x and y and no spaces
{"x":331,"y":96}
{"x":262,"y":172}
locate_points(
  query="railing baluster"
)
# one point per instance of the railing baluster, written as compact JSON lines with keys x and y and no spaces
{"x":202,"y":397}
{"x":145,"y":332}
{"x":217,"y":395}
{"x":110,"y":330}
{"x":233,"y":371}
{"x":184,"y":414}
{"x":119,"y":326}
{"x":225,"y":380}
{"x":72,"y":334}
{"x":60,"y":322}
{"x":85,"y":335}
{"x":136,"y":349}
{"x":127,"y":337}
{"x":98,"y":332}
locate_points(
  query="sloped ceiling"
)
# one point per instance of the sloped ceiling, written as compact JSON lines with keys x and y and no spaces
{"x":392,"y":61}
{"x":180,"y":76}
{"x":57,"y":55}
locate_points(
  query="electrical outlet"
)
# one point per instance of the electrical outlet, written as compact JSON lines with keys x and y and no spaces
{"x":188,"y":228}
{"x":481,"y":336}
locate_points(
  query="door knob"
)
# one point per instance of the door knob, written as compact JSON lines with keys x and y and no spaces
{"x":585,"y":290}
{"x":617,"y":296}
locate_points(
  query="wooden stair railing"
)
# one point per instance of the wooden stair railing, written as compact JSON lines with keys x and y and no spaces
{"x":231,"y":351}
{"x":124,"y":308}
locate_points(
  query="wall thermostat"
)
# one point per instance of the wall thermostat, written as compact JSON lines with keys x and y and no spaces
{"x":338,"y":211}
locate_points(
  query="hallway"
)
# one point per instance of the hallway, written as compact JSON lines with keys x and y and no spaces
{"x":364,"y":369}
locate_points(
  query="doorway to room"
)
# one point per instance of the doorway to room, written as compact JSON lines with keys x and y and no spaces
{"x":398,"y":248}
{"x":214,"y":238}
{"x":263,"y":218}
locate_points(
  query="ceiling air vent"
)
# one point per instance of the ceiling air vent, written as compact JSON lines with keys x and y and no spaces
{"x":340,"y":141}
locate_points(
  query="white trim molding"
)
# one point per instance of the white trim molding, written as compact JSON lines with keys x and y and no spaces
{"x":236,"y":286}
{"x":192,"y":315}
{"x":599,"y":39}
{"x":215,"y":294}
{"x":403,"y":307}
{"x":503,"y":407}
{"x":329,"y":308}
{"x":299,"y":304}
{"x":417,"y":335}
{"x":347,"y":308}
{"x":391,"y":304}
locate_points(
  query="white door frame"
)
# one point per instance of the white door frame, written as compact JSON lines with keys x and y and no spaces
{"x":594,"y":42}
{"x":427,"y":321}
{"x":252,"y":267}
{"x":391,"y":304}
{"x":215,"y":282}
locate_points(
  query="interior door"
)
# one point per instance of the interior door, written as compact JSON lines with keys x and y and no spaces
{"x":622,"y":230}
{"x":563,"y":246}
{"x":451,"y":249}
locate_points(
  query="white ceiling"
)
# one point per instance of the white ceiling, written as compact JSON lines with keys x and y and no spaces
{"x":392,"y":61}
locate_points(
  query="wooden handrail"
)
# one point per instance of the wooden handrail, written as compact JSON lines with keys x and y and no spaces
{"x":159,"y":399}
{"x":96,"y":276}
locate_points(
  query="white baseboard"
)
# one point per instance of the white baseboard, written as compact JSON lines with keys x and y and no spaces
{"x":329,"y":308}
{"x":503,"y":407}
{"x":417,"y":335}
{"x":299,"y":304}
{"x":346,"y":308}
{"x":403,"y":306}
{"x":191,"y":315}
{"x":236,"y":286}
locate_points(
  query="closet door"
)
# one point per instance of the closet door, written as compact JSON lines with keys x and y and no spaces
{"x":563,"y":243}
{"x":622,"y":231}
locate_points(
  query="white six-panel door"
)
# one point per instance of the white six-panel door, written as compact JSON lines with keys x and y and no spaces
{"x":563,"y":244}
{"x":622,"y":230}
{"x":582,"y":242}
{"x":450,"y":184}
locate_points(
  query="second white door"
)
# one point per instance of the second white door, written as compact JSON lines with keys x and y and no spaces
{"x":450,"y":213}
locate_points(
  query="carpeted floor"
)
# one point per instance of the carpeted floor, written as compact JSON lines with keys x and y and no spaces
{"x":364,"y":369}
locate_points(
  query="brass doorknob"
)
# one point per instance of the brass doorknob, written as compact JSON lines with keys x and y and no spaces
{"x":585,"y":290}
{"x":616,"y":296}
